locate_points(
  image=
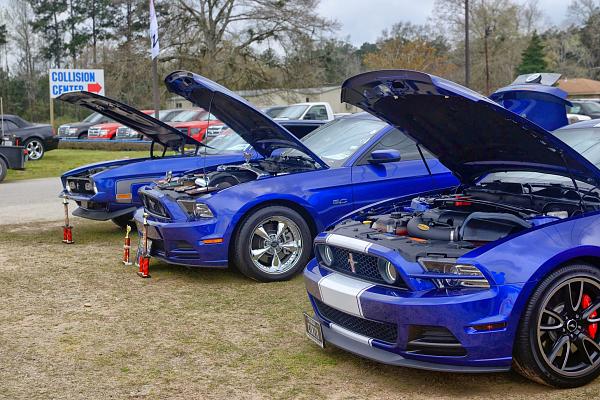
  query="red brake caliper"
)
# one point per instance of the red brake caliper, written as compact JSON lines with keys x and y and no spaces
{"x":593,"y":328}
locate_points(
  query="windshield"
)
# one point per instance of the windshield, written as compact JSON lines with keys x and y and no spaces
{"x":292,"y":112}
{"x":93,"y":118}
{"x":338,"y":140}
{"x":190,"y":115}
{"x":591,"y":107}
{"x":168,"y":115}
{"x":585,"y":141}
{"x":225,"y":142}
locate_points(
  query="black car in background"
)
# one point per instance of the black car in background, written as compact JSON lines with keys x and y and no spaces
{"x":79,"y":130}
{"x":36,"y":138}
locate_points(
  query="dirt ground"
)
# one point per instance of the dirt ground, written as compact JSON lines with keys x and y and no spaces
{"x":76,"y":324}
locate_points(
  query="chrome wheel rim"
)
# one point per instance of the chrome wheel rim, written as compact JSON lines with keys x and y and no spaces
{"x":570,"y":314}
{"x":275,"y":245}
{"x":34,"y":149}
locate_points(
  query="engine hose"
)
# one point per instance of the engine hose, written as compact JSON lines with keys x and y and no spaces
{"x":416,"y":228}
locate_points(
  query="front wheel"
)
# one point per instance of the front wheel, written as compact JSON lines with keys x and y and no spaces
{"x":272,"y":244}
{"x":123,"y":220}
{"x":558,"y":342}
{"x":35,"y":149}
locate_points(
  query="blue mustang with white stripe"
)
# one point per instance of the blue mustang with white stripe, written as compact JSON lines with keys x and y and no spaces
{"x":502,"y":272}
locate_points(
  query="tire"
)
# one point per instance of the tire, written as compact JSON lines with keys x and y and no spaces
{"x":558,"y":341}
{"x":35,"y":149}
{"x":3,"y":169}
{"x":124,"y":220}
{"x":277,"y":257}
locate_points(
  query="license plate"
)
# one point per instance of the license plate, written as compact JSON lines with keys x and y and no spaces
{"x":313,"y":330}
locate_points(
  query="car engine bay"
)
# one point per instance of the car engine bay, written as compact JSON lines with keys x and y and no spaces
{"x":450,"y":225}
{"x":199,"y":183}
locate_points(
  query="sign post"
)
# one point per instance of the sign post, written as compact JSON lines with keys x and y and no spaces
{"x":72,"y":80}
{"x":155,"y":50}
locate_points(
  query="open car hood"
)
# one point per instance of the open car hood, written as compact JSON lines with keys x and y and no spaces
{"x":148,"y":126}
{"x":532,"y":96}
{"x":469,"y":133}
{"x":255,"y":127}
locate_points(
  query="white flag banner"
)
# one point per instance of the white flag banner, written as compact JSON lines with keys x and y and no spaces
{"x":154,"y":47}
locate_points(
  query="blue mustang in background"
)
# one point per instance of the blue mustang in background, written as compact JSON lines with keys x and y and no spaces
{"x":109,"y":190}
{"x":504,"y":271}
{"x":262,"y":214}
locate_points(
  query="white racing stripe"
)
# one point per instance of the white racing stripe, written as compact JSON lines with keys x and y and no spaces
{"x":350,"y":334}
{"x":348,"y":243}
{"x":343,"y":293}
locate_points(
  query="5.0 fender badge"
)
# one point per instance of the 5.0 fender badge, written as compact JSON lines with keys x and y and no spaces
{"x":423,"y":227}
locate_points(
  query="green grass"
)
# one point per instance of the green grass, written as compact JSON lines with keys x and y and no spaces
{"x":58,"y":161}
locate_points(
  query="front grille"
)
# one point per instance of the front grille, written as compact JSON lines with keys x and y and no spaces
{"x":80,"y":185}
{"x":433,"y":341}
{"x":214,"y":130}
{"x":154,"y":206}
{"x":365,"y":266}
{"x":383,"y":331}
{"x":93,"y":132}
{"x":63,"y":130}
{"x":124,"y":132}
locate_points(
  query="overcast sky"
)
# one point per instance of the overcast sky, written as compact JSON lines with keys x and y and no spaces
{"x":363,"y":20}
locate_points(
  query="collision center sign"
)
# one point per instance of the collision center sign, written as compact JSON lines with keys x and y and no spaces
{"x":72,"y":80}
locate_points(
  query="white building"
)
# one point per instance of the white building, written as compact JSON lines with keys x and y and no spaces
{"x":274,"y":97}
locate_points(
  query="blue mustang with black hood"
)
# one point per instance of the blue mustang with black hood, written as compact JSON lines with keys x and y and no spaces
{"x":262,"y":214}
{"x":504,"y":271}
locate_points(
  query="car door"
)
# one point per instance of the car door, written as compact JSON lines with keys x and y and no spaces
{"x":376,"y":182}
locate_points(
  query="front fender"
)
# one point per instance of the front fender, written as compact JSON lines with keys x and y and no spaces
{"x":534,"y":253}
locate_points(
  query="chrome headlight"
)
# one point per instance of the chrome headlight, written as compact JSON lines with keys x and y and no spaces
{"x":201,"y":210}
{"x":72,"y":131}
{"x":325,"y":254}
{"x":387,"y":271}
{"x":448,"y":274}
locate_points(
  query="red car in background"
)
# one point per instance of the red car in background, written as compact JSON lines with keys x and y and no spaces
{"x":109,"y":129}
{"x":194,"y":122}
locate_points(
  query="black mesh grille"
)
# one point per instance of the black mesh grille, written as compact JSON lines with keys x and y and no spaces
{"x":383,"y":331}
{"x":433,"y":341}
{"x":365,"y":266}
{"x":154,"y":206}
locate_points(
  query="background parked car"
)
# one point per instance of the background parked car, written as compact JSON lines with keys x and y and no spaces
{"x":109,"y":129}
{"x":125,"y":132}
{"x":273,"y":111}
{"x":319,"y":111}
{"x":585,"y":107}
{"x":194,"y":122}
{"x":79,"y":130}
{"x":36,"y":138}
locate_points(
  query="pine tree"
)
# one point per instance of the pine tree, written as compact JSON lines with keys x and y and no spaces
{"x":50,"y":24}
{"x":532,"y":59}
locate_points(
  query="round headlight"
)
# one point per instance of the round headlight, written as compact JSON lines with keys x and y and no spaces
{"x":326,"y":255}
{"x":387,"y":271}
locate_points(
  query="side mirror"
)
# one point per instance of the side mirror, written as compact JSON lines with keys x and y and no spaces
{"x":384,"y":156}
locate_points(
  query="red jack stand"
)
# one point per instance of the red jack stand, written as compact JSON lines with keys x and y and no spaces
{"x":127,"y":247}
{"x":67,"y":228}
{"x":144,"y":257}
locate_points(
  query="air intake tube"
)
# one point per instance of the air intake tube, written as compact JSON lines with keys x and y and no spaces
{"x":418,"y":228}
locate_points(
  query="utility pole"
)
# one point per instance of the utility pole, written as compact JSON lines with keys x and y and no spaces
{"x":467,"y":52}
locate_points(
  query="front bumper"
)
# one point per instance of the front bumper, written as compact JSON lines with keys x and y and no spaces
{"x":182,"y":243}
{"x":97,"y":211}
{"x":408,"y":313}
